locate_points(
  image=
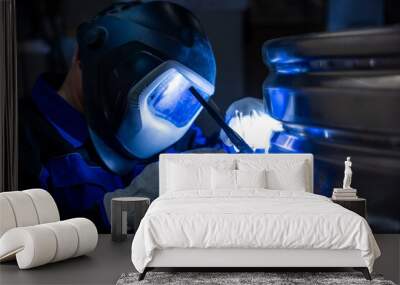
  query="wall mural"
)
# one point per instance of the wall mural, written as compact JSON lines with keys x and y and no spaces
{"x":96,"y":133}
{"x":128,"y":96}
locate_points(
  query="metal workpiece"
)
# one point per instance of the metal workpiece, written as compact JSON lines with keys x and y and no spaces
{"x":337,"y":100}
{"x":338,"y":95}
{"x":348,"y":47}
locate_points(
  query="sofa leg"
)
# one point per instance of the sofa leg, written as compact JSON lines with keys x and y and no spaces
{"x":364,"y":271}
{"x":142,"y":275}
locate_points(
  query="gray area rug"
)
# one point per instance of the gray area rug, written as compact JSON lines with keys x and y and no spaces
{"x":269,"y":278}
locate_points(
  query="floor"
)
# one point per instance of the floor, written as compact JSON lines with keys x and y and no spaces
{"x":389,"y":263}
{"x":103,"y":266}
{"x":111,"y":259}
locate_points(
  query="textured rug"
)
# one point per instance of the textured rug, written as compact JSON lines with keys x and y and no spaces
{"x":244,"y":278}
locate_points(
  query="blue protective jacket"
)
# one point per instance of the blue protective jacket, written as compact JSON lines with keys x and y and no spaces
{"x":55,"y":153}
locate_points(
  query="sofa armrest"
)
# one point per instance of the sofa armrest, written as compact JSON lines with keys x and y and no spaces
{"x":33,"y":246}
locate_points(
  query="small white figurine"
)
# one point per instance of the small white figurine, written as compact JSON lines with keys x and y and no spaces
{"x":347,"y":174}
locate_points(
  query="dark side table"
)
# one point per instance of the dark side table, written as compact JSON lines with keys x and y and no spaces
{"x":357,"y":205}
{"x":119,"y":215}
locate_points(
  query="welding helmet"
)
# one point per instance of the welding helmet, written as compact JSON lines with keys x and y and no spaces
{"x":140,"y":63}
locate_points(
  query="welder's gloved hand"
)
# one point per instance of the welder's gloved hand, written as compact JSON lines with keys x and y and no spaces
{"x":144,"y":185}
{"x":248,"y":118}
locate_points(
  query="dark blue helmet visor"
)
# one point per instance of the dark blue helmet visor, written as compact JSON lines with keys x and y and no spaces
{"x":173,"y":101}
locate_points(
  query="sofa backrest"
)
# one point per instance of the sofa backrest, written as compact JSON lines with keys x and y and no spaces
{"x":26,"y":208}
{"x":231,"y":161}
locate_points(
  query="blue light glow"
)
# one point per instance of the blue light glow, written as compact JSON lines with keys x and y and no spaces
{"x":285,"y":63}
{"x":173,"y":101}
{"x":283,"y":142}
{"x":291,"y":68}
{"x":280,"y":56}
{"x":297,"y":66}
{"x":299,"y":139}
{"x":281,"y":101}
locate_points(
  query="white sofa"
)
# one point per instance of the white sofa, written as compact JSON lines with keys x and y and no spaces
{"x":31,"y":231}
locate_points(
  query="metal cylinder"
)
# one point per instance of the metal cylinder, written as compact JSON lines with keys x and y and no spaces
{"x":338,"y":95}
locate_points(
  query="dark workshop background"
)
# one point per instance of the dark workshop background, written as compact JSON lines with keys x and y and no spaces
{"x":237,"y":29}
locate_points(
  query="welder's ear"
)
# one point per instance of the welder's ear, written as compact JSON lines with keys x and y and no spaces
{"x":76,"y":57}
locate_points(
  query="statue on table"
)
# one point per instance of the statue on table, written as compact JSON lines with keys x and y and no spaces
{"x":347,"y":174}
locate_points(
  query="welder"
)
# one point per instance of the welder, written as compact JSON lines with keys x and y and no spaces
{"x":141,"y":74}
